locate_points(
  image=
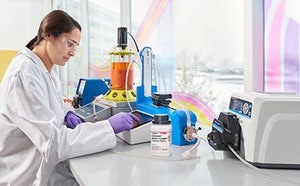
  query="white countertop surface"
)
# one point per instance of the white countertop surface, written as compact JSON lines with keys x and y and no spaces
{"x":135,"y":166}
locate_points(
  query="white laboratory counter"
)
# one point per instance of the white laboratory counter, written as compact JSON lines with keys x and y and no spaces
{"x":134,"y":166}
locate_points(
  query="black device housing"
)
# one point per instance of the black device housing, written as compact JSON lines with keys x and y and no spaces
{"x":122,"y":37}
{"x":161,"y":99}
{"x":77,"y":101}
{"x":226,"y":130}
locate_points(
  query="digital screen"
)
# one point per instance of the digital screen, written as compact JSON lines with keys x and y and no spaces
{"x":144,"y":118}
{"x":237,"y":105}
{"x":241,"y":107}
{"x":81,"y":87}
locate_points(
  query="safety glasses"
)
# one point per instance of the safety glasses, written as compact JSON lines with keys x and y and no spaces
{"x":69,"y":44}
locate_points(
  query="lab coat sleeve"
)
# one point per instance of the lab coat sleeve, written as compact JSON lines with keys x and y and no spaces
{"x":86,"y":138}
{"x":28,"y":109}
{"x":67,"y":108}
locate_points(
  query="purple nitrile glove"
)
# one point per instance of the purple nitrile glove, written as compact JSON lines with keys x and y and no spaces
{"x":122,"y":121}
{"x":72,"y":120}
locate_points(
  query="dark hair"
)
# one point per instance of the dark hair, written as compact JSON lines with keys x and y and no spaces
{"x":54,"y":23}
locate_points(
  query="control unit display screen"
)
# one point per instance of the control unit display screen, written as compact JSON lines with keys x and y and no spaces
{"x":241,"y":107}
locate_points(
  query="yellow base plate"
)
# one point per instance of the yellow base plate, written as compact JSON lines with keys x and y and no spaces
{"x":120,"y":95}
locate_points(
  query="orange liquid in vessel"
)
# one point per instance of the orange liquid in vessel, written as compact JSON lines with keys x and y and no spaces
{"x":118,"y":75}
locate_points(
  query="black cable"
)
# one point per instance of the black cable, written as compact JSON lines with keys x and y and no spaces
{"x":137,"y":48}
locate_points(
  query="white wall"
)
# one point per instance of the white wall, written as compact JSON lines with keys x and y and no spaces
{"x":19,"y":21}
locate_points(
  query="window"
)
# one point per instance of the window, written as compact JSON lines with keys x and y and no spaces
{"x":199,"y":51}
{"x":199,"y":46}
{"x":99,"y":20}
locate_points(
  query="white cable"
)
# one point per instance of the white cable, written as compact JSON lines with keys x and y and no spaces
{"x":276,"y":177}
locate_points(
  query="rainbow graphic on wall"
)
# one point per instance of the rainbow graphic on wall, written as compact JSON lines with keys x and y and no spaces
{"x":101,"y":71}
{"x":151,"y":19}
{"x":203,"y":112}
{"x":281,"y":44}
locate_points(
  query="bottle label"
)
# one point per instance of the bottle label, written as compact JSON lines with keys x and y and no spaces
{"x":160,"y":143}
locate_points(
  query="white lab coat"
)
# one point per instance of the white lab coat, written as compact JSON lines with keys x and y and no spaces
{"x":34,"y":142}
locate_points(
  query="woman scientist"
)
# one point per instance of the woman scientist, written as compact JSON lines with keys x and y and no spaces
{"x":34,"y":141}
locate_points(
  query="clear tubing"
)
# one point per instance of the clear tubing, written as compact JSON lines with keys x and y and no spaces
{"x":154,"y":69}
{"x":94,"y":106}
{"x":185,"y":110}
{"x":188,"y":152}
{"x":127,"y":72}
{"x":138,"y":56}
{"x":184,"y":156}
{"x":276,"y":177}
{"x":156,"y":65}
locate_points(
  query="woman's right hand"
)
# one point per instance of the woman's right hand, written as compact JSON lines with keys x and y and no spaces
{"x":122,"y":121}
